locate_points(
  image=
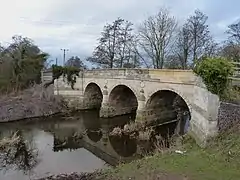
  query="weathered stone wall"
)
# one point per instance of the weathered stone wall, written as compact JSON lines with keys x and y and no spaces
{"x":228,"y":116}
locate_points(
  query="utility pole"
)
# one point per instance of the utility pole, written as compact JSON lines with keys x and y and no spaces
{"x":64,"y":55}
{"x":57,"y":79}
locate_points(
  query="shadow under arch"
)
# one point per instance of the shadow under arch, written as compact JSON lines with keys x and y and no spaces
{"x":93,"y":96}
{"x":170,"y":109}
{"x":123,"y":99}
{"x":92,"y":124}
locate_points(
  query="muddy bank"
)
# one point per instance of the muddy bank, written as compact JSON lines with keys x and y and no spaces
{"x":33,"y":102}
{"x":93,"y":176}
{"x":74,"y":176}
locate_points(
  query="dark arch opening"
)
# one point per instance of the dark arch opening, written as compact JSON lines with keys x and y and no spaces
{"x":170,"y":111}
{"x":123,"y":100}
{"x":93,"y":96}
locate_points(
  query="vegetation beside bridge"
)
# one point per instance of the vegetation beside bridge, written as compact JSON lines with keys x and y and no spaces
{"x":220,"y":160}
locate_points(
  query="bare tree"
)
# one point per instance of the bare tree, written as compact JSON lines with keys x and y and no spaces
{"x":234,"y":32}
{"x":75,"y":62}
{"x":183,"y":46}
{"x":231,"y":51}
{"x":115,"y":47}
{"x":155,"y":36}
{"x":173,"y":61}
{"x":105,"y":53}
{"x":211,"y":47}
{"x":124,"y":43}
{"x":1,"y":54}
{"x":199,"y":32}
{"x":136,"y":51}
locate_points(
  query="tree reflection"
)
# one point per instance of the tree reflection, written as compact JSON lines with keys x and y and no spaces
{"x":16,"y":153}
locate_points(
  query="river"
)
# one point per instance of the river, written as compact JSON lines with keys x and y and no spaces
{"x":78,"y":142}
{"x":63,"y":144}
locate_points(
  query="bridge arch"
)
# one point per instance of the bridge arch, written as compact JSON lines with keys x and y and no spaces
{"x":165,"y":106}
{"x":174,"y":90}
{"x":93,"y":96}
{"x":123,"y":98}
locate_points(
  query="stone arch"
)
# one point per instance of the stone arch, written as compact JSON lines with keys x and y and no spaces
{"x":123,"y":99}
{"x":92,"y":96}
{"x":187,"y":101}
{"x":165,"y":105}
{"x":136,"y":93}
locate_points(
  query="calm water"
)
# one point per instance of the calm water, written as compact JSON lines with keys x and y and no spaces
{"x":56,"y":145}
{"x":77,"y":142}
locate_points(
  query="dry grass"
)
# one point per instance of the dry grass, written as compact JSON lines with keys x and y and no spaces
{"x":131,"y":129}
{"x":7,"y":143}
{"x":145,"y":135}
{"x":33,"y":102}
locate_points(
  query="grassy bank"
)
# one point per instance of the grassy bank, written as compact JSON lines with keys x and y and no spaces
{"x":219,"y":161}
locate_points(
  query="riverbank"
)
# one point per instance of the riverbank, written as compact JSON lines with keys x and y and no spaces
{"x":220,"y":160}
{"x":30,"y":103}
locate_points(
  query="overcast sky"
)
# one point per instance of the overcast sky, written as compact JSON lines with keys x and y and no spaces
{"x":76,"y":24}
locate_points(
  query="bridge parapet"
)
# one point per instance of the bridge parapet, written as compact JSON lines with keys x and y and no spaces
{"x":160,"y":75}
{"x":117,"y":73}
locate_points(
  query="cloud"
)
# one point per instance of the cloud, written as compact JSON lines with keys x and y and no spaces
{"x":77,"y":24}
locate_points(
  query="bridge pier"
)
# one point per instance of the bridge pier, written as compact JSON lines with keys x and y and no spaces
{"x":141,"y":110}
{"x":106,"y":110}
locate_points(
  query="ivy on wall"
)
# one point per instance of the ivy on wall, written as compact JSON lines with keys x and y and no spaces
{"x":69,"y":73}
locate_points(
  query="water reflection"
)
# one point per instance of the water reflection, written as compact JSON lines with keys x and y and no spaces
{"x":19,"y":154}
{"x":124,"y":145}
{"x":92,"y":123}
{"x":78,"y":142}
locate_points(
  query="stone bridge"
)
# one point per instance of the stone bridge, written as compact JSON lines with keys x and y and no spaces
{"x":150,"y":93}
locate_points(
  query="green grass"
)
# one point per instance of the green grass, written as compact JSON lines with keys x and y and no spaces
{"x":219,"y":161}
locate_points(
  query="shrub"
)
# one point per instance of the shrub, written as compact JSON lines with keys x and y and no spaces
{"x":67,"y":72}
{"x":215,"y":73}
